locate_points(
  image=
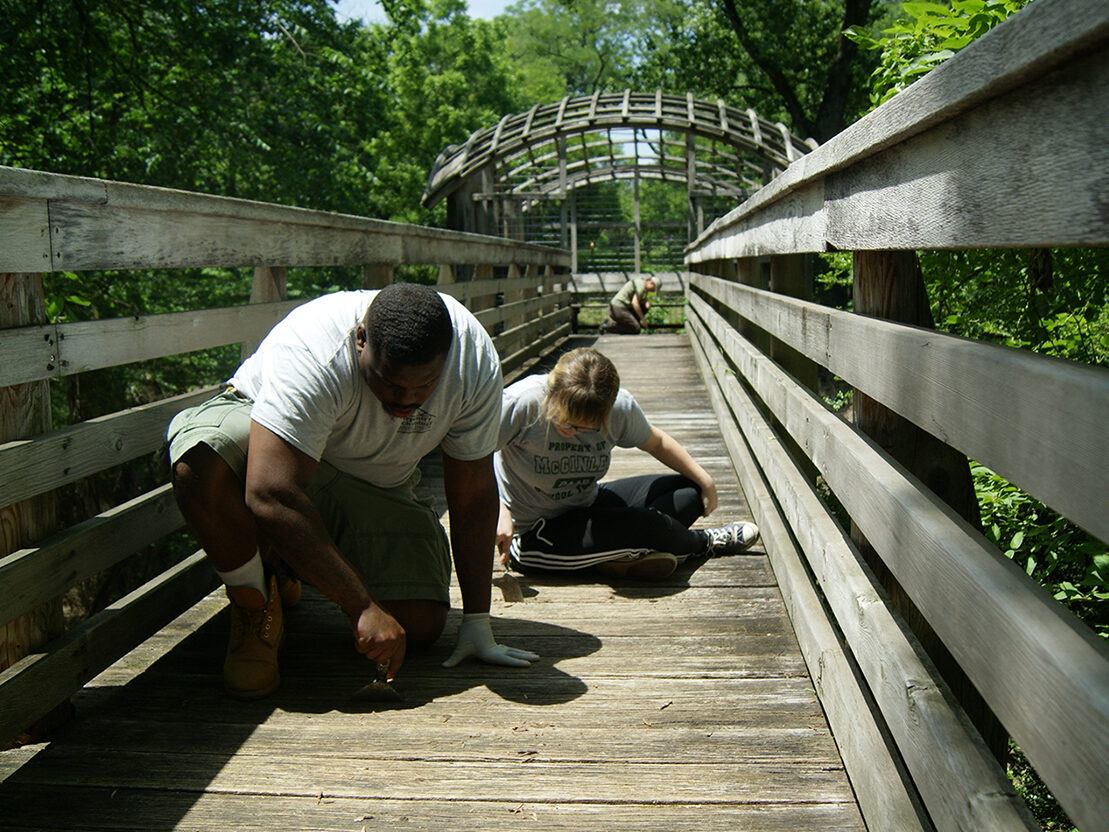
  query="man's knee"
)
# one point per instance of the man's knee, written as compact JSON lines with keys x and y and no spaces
{"x":203,"y":481}
{"x":423,"y":620}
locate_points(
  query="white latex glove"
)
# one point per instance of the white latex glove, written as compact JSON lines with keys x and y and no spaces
{"x":475,"y":638}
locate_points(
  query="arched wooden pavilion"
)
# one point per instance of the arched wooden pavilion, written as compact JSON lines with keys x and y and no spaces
{"x":525,"y":177}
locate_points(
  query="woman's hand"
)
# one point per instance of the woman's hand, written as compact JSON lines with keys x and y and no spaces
{"x":505,"y":530}
{"x":708,"y":497}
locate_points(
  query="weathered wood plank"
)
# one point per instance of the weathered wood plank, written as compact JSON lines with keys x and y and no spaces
{"x":99,"y":224}
{"x":990,"y":615}
{"x":34,"y":685}
{"x":24,"y":236}
{"x":1034,"y":62}
{"x":130,"y":808}
{"x":25,"y":412}
{"x":513,"y":359}
{"x":66,"y":349}
{"x":690,"y":692}
{"x":521,"y":308}
{"x":356,"y":776}
{"x":887,"y":797}
{"x":462,"y":740}
{"x":510,"y":342}
{"x":32,"y":576}
{"x":33,"y":466}
{"x":546,"y":698}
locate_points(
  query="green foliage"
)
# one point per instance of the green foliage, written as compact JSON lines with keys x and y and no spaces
{"x":1055,"y":302}
{"x":841,"y":397}
{"x":239,"y":99}
{"x":929,"y":35}
{"x":1060,"y":556}
{"x":787,"y":59}
{"x":1040,"y":800}
{"x":447,"y":76}
{"x":577,"y":47}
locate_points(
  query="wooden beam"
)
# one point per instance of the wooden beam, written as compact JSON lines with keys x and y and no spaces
{"x":44,"y":462}
{"x":35,"y":684}
{"x":927,"y":147}
{"x":34,"y":575}
{"x":890,"y":286}
{"x":161,"y":228}
{"x":53,"y":351}
{"x":269,"y":286}
{"x":377,"y":275}
{"x":521,"y":310}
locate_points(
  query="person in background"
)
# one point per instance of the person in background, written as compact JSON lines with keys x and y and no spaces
{"x":556,"y":438}
{"x":627,"y":311}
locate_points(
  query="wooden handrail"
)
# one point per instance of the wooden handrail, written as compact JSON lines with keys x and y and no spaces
{"x":1001,"y":146}
{"x":52,"y":222}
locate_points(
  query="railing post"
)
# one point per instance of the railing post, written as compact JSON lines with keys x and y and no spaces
{"x":748,"y":272}
{"x":787,"y":277}
{"x":268,"y":286}
{"x":514,"y":294}
{"x":889,"y":285}
{"x":377,"y":275}
{"x":483,"y":271}
{"x":24,"y":412}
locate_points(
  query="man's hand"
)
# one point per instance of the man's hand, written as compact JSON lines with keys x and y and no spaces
{"x":380,"y":638}
{"x":475,"y":638}
{"x":505,"y":530}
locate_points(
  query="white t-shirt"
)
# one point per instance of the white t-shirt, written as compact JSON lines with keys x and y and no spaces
{"x":306,"y":388}
{"x":543,"y":474}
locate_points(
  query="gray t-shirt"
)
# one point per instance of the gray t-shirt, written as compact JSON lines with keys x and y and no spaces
{"x":306,"y":388}
{"x":543,"y":474}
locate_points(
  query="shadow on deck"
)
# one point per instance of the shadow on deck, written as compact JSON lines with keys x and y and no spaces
{"x":679,"y":705}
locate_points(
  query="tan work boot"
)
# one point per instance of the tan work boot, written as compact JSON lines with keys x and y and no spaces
{"x":289,"y":589}
{"x":250,"y":667}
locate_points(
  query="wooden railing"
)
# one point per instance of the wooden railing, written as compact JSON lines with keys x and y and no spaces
{"x":51,"y":223}
{"x":1004,"y":145}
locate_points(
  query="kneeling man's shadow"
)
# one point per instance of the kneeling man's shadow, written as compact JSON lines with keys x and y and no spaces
{"x":321,"y":671}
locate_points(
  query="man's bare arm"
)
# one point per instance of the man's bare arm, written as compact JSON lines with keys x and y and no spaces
{"x":471,"y":491}
{"x":277,"y":477}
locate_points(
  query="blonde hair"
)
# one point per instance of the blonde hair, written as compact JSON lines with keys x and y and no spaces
{"x":581,"y":389}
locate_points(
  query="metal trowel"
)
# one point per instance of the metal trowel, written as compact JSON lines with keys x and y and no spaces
{"x":379,"y":690}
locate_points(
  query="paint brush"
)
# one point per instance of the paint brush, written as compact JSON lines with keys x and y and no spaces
{"x":378,"y":690}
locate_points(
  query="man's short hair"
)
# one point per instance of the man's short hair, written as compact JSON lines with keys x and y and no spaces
{"x":408,"y":324}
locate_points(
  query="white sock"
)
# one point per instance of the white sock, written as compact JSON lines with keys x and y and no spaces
{"x":250,"y":574}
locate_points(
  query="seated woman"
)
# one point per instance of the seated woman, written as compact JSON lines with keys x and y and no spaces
{"x":557,"y":434}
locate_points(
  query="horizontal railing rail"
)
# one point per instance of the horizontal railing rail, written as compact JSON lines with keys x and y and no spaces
{"x":50,"y":223}
{"x":1003,"y":145}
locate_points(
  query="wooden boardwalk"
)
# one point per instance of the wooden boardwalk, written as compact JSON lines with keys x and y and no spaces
{"x":677,"y":706}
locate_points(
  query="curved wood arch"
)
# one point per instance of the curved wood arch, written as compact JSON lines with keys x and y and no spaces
{"x":738,"y":136}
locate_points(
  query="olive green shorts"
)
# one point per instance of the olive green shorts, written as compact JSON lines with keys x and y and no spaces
{"x":392,"y":538}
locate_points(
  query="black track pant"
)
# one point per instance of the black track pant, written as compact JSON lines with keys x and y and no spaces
{"x":629,"y":516}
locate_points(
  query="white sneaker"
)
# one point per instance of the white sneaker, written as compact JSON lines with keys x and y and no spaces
{"x":731,"y":539}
